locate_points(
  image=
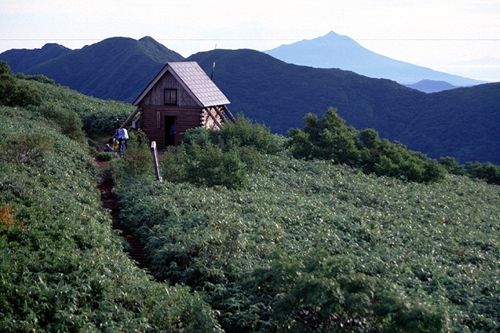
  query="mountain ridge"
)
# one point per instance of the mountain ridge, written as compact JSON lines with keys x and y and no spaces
{"x":278,"y":94}
{"x":431,"y":86}
{"x":113,"y":68}
{"x":22,"y":59}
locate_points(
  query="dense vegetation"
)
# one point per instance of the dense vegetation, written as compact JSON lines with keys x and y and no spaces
{"x":329,"y":138}
{"x":62,"y":269}
{"x":225,"y":157}
{"x":486,"y":171}
{"x":311,"y":246}
{"x":71,"y":111}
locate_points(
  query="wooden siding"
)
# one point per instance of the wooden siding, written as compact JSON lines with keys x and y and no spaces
{"x":186,"y":118}
{"x":168,"y":81}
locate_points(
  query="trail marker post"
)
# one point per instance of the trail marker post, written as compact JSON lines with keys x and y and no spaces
{"x":156,"y":165}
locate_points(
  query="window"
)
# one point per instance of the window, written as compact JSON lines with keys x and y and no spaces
{"x":170,"y":97}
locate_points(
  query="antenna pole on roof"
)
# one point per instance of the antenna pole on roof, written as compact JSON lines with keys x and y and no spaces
{"x":213,"y":70}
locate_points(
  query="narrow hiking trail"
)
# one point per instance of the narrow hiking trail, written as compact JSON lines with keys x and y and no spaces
{"x":110,"y":201}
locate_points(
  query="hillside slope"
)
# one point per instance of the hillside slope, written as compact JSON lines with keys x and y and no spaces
{"x":115,"y":68}
{"x":338,"y":51}
{"x":309,"y":246}
{"x":279,"y":94}
{"x":62,"y":267}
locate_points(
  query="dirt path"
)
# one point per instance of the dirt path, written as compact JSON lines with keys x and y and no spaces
{"x":110,"y":201}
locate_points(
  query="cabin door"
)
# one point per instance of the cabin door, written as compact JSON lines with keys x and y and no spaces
{"x":170,"y":131}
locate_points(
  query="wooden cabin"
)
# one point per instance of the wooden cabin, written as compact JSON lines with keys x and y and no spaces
{"x":180,"y":97}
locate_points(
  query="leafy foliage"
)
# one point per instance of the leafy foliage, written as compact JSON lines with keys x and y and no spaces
{"x":486,"y":171}
{"x":222,"y":157}
{"x":313,"y":246}
{"x":14,"y":93}
{"x":329,"y":138}
{"x":137,"y":159}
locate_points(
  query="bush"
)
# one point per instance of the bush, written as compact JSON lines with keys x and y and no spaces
{"x":224,"y":157}
{"x":485,"y":171}
{"x":244,"y":133}
{"x":14,"y":93}
{"x":329,"y":138}
{"x":206,"y":165}
{"x":38,"y":77}
{"x":137,"y":159}
{"x":319,"y":296}
{"x":241,"y":133}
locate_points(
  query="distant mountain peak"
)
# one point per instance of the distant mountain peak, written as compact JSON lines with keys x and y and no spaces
{"x":333,"y":35}
{"x":338,"y":51}
{"x":54,"y":46}
{"x":148,"y":39}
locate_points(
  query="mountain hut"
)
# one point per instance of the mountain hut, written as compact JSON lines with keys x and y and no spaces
{"x":180,"y":97}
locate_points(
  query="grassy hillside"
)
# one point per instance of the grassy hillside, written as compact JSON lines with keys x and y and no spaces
{"x":310,"y":246}
{"x":457,"y":123}
{"x":98,"y":117}
{"x":62,"y":268}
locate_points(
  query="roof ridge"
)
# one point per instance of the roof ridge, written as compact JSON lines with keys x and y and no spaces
{"x":195,"y":80}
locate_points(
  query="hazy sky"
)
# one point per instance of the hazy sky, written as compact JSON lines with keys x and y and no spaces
{"x":457,"y":36}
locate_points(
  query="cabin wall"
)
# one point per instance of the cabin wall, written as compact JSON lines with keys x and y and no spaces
{"x":154,"y":125}
{"x":156,"y":95}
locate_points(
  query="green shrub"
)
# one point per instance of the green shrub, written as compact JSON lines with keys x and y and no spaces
{"x":241,"y":133}
{"x":38,"y":77}
{"x":451,"y":165}
{"x":486,"y":171}
{"x":103,"y":122}
{"x":137,"y":159}
{"x":14,"y":93}
{"x":206,"y":165}
{"x":224,"y":157}
{"x":329,"y":138}
{"x":244,"y":133}
{"x":319,"y":296}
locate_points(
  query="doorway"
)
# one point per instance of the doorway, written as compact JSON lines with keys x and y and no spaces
{"x":170,"y":131}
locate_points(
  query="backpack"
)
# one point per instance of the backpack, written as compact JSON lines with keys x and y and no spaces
{"x":123,"y":134}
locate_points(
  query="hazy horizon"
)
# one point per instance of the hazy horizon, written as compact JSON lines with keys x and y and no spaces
{"x":459,"y":37}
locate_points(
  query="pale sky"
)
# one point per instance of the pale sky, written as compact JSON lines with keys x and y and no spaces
{"x":455,"y":36}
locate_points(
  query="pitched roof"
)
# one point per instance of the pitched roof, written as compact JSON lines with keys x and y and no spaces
{"x":194,"y":80}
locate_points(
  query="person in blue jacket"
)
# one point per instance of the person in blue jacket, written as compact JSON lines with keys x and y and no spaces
{"x":122,"y":136}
